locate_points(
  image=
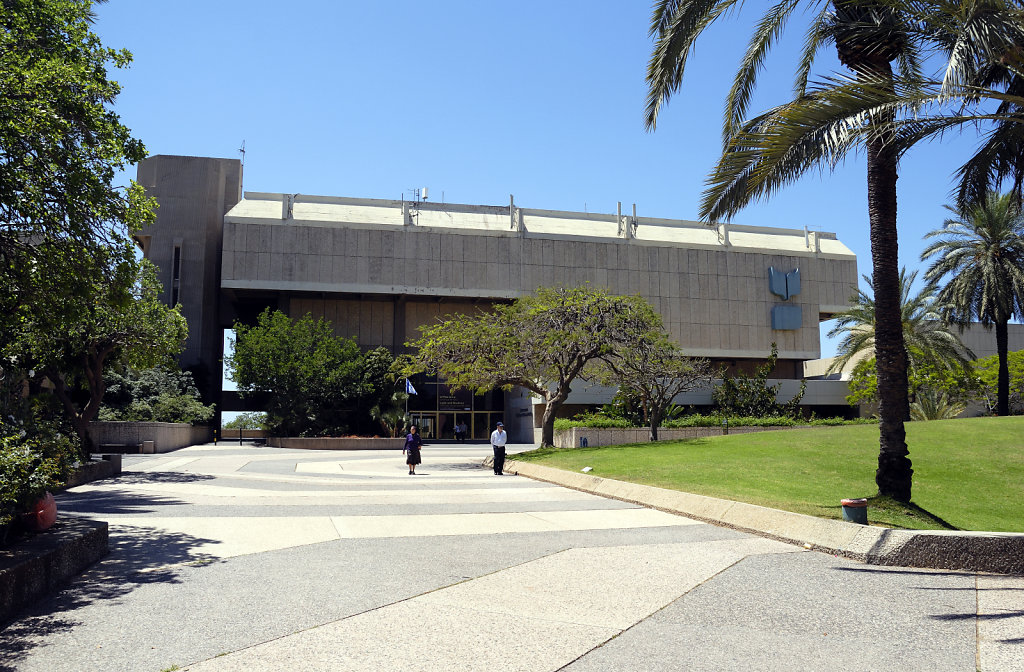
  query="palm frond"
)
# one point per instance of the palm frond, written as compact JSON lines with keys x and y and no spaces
{"x":769,"y":29}
{"x":675,"y":25}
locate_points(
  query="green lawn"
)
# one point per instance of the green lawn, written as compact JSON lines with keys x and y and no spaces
{"x":968,"y":474}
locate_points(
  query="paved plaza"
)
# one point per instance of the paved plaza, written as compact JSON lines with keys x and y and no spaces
{"x":233,"y":557}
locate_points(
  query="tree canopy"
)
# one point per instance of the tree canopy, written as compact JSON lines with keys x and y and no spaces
{"x":73,"y":342}
{"x":926,"y":331}
{"x":314,"y":382}
{"x":541,"y":342}
{"x":157,"y":394}
{"x":61,"y":145}
{"x":654,"y":370}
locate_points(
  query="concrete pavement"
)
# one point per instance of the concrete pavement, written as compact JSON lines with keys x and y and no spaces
{"x":231,"y":558}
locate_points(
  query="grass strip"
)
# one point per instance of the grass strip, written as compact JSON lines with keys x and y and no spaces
{"x":968,"y":473}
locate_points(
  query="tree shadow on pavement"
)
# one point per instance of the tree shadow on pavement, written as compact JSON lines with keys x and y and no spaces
{"x":110,"y":500}
{"x":138,"y":556}
{"x":142,"y":477}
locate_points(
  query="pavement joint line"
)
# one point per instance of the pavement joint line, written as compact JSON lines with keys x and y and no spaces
{"x":384,"y":606}
{"x":977,"y":623}
{"x":648,"y":616}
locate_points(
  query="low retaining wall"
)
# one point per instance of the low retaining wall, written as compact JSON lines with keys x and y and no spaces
{"x":570,"y":438}
{"x":94,"y":470}
{"x":328,"y":443}
{"x":134,"y":437}
{"x":42,"y":563}
{"x":242,"y":434}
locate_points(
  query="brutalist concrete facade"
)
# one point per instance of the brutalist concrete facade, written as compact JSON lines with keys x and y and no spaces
{"x":711,"y":289}
{"x":378,"y":269}
{"x":194,"y":194}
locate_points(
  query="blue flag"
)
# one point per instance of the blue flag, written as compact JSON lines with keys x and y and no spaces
{"x":409,"y":389}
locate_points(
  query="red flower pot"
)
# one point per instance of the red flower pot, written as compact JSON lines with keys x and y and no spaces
{"x":41,"y":515}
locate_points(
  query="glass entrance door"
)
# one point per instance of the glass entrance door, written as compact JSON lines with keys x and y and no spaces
{"x":426,"y":425}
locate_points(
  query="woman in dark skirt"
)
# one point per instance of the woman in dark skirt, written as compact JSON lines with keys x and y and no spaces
{"x":412,"y":449}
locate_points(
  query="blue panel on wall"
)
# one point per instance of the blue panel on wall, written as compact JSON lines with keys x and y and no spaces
{"x":782,"y":284}
{"x":793,"y":282}
{"x":777,"y":282}
{"x":786,"y":317}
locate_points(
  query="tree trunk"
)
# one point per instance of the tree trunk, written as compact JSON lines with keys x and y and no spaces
{"x":78,"y":421}
{"x":1003,"y":385}
{"x":894,"y":468}
{"x":656,"y":419}
{"x":547,"y":432}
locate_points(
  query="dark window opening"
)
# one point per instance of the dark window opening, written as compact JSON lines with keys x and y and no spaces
{"x":176,"y":276}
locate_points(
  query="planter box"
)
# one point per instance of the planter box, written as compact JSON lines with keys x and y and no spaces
{"x":570,"y":438}
{"x":329,"y":443}
{"x":42,"y":563}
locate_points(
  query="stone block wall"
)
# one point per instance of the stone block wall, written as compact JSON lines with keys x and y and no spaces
{"x":166,"y":436}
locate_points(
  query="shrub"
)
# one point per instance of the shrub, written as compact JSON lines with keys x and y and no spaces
{"x":28,"y":468}
{"x":153,"y":395}
{"x":598,"y":421}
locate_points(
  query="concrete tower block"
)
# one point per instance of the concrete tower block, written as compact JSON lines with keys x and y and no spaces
{"x":185,"y":244}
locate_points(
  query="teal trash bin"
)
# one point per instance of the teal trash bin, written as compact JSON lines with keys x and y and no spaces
{"x":855,"y":511}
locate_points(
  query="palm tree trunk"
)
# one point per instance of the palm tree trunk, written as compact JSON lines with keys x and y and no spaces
{"x":894,"y":473}
{"x":1003,"y":385}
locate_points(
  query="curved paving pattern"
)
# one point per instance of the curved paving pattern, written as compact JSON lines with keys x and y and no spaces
{"x":241,"y":558}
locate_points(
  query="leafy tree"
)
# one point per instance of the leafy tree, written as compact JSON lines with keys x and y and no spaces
{"x":61,"y":146}
{"x":823,"y":123}
{"x":72,"y":343}
{"x":987,"y":370}
{"x":159,"y":394}
{"x":541,"y":342}
{"x":981,"y":251}
{"x":754,"y":397}
{"x":958,"y":385}
{"x":315,"y":383}
{"x":251,"y":420}
{"x":655,"y":371}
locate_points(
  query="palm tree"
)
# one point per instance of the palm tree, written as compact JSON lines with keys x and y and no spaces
{"x":981,"y":251}
{"x":926,"y":333}
{"x":821,"y":125}
{"x":868,"y":37}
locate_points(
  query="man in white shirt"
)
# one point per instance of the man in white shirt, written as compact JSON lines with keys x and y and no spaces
{"x":498,"y":439}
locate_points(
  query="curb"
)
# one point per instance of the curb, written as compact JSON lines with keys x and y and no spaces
{"x":996,"y":552}
{"x":42,"y":563}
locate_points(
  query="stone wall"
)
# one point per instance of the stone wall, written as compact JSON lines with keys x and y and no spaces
{"x":132,"y":437}
{"x":331,"y":443}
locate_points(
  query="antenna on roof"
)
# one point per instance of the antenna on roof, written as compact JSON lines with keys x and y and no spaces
{"x":241,"y":150}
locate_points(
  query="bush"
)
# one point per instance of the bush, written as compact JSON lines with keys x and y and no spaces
{"x":28,"y":468}
{"x":153,"y":395}
{"x":598,"y":421}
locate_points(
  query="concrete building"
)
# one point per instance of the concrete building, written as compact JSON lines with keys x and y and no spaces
{"x":378,"y":269}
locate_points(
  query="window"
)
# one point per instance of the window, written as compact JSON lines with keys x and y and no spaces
{"x":176,"y":276}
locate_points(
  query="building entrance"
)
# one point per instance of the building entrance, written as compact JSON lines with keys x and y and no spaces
{"x":437,"y":409}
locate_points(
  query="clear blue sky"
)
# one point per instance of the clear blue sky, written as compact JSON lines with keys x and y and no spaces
{"x":478,"y":100}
